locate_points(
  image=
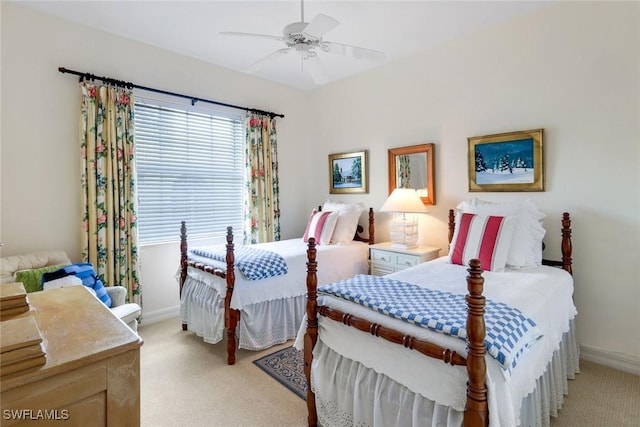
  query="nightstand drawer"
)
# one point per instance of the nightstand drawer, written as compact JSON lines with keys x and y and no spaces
{"x":386,"y":259}
{"x":406,"y":261}
{"x":379,"y":270}
{"x":383,"y":257}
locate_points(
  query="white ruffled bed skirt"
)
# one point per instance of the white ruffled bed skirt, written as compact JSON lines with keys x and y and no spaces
{"x":349,"y":394}
{"x":202,"y":309}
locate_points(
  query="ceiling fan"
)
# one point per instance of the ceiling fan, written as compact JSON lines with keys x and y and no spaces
{"x":306,"y":38}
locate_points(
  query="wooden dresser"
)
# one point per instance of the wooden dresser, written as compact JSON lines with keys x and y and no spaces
{"x":92,"y":373}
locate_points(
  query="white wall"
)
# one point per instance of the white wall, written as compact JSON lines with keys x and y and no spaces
{"x":40,"y":185}
{"x":572,"y":69}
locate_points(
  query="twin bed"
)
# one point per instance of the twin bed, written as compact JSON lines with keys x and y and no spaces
{"x":217,"y":299}
{"x":383,"y":378}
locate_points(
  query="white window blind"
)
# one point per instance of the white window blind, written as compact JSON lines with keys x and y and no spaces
{"x":190,"y":167}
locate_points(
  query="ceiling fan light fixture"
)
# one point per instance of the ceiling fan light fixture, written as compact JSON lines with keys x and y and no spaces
{"x":304,"y":37}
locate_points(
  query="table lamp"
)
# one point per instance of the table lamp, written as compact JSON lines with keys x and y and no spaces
{"x":404,"y":228}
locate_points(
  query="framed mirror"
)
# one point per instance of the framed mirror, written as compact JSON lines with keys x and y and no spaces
{"x":412,"y":167}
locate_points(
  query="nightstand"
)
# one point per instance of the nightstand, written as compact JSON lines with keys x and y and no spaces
{"x":386,"y":259}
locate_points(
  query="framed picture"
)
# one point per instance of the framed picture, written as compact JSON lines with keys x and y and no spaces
{"x":510,"y":161}
{"x":348,"y":173}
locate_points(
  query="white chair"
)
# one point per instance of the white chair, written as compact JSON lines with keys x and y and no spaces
{"x":129,"y":313}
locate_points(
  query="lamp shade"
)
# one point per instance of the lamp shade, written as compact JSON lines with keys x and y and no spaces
{"x":404,"y":200}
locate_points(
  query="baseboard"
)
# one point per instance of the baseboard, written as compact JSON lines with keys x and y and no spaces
{"x":149,"y":317}
{"x":618,"y":361}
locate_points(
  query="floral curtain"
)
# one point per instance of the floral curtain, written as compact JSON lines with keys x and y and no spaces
{"x":262,"y":206}
{"x":404,"y":171}
{"x":109,"y":239}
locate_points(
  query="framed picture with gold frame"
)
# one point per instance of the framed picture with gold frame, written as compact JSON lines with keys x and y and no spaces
{"x":348,"y":173}
{"x":511,"y":161}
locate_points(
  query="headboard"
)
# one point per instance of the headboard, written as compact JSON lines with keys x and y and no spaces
{"x":567,"y":248}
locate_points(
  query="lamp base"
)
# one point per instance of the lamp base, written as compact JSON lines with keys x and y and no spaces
{"x":404,"y":233}
{"x":399,"y":245}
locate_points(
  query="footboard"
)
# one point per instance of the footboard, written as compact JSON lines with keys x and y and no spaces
{"x":476,"y":411}
{"x":231,"y":316}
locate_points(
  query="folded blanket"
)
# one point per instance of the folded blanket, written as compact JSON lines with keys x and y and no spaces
{"x":508,"y":332}
{"x":254,"y":264}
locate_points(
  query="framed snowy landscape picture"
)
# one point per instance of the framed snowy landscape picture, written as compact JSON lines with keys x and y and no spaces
{"x":506,"y":162}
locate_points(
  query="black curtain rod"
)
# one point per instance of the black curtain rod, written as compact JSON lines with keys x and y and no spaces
{"x":130,"y":85}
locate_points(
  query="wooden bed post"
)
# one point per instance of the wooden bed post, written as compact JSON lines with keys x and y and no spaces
{"x":566,"y":243}
{"x":452,"y":224}
{"x":183,"y":261}
{"x":566,"y":247}
{"x":372,"y":230}
{"x":372,"y":227}
{"x":476,"y":412}
{"x":231,"y":315}
{"x":311,"y":337}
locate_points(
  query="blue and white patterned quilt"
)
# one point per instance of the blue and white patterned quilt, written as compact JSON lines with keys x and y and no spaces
{"x":508,"y":332}
{"x":254,"y":264}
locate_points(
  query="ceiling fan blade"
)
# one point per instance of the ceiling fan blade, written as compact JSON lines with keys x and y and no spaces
{"x":320,"y":26}
{"x":261,"y":63}
{"x":317,"y":70}
{"x":354,"y":51}
{"x":262,"y":36}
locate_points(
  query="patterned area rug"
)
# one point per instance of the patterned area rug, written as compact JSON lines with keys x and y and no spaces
{"x":287,"y":367}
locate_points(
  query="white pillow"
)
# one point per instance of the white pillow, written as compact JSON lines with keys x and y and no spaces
{"x":348,"y":217}
{"x":63,"y":282}
{"x":526,"y":243}
{"x":336,"y":206}
{"x":320,"y":226}
{"x":485,"y":237}
{"x":70,"y":280}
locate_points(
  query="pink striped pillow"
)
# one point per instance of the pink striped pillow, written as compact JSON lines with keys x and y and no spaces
{"x":320,"y":226}
{"x":485,"y":237}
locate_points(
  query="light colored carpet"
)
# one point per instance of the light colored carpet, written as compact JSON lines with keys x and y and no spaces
{"x":601,"y":397}
{"x":186,"y":382}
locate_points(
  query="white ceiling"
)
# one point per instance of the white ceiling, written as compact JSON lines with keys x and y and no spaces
{"x":192,"y":28}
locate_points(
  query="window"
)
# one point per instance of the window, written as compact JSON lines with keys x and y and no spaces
{"x":190,"y":167}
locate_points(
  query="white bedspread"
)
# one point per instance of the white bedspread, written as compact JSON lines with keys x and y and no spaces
{"x":542,"y":293}
{"x":345,"y":259}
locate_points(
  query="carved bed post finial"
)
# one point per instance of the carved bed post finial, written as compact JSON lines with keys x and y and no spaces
{"x":567,"y":248}
{"x":231,"y":320}
{"x":476,"y":412}
{"x":311,"y":336}
{"x":452,"y":224}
